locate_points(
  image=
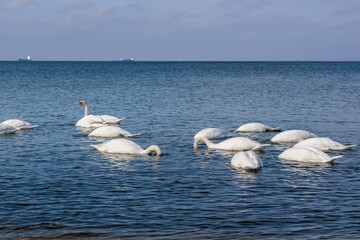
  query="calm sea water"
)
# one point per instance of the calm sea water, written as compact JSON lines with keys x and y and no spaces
{"x":53,"y":184}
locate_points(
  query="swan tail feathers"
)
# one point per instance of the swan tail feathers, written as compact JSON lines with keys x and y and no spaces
{"x":133,"y":135}
{"x":97,"y":147}
{"x":121,"y":119}
{"x":350,"y":146}
{"x":273,"y":130}
{"x":26,"y":127}
{"x":342,"y":148}
{"x":260,"y":147}
{"x":331,"y":160}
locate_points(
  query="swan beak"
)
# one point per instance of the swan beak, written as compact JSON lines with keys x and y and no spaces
{"x":80,"y":105}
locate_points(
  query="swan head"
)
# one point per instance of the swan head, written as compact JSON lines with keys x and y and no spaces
{"x":82,"y":102}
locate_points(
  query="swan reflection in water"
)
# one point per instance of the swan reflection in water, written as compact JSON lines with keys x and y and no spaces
{"x":127,"y":162}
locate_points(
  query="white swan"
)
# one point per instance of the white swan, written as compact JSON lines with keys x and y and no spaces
{"x":212,"y":133}
{"x":307,"y":154}
{"x":111,"y":132}
{"x":232,"y":144}
{"x":91,"y":121}
{"x":106,"y":118}
{"x":324,"y":144}
{"x":292,"y":136}
{"x":256,"y":127}
{"x":248,"y":160}
{"x":125,"y":146}
{"x":6,"y":129}
{"x":19,"y":124}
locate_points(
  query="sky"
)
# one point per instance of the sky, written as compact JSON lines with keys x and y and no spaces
{"x":180,"y":30}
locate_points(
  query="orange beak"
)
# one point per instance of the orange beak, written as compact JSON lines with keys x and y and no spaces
{"x":80,"y":105}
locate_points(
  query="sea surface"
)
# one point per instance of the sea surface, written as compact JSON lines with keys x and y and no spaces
{"x":55,"y":185}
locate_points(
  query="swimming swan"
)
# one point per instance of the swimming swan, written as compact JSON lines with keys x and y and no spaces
{"x":125,"y":146}
{"x":19,"y":124}
{"x":232,"y":144}
{"x":6,"y":129}
{"x":307,"y":154}
{"x":324,"y":144}
{"x":256,"y":127}
{"x":248,"y":160}
{"x":107,"y":118}
{"x":211,"y":133}
{"x":292,"y":136}
{"x":91,"y":121}
{"x":111,"y":132}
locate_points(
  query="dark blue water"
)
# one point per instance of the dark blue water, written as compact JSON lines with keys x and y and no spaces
{"x":53,"y":184}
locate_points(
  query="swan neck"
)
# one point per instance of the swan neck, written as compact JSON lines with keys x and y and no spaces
{"x":86,"y":109}
{"x":202,"y":139}
{"x":153,"y":148}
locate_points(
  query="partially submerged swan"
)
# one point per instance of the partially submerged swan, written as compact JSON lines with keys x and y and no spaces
{"x":6,"y":129}
{"x":106,"y":118}
{"x":248,"y":160}
{"x":111,"y":132}
{"x":232,"y":144}
{"x":19,"y":124}
{"x":307,"y":154}
{"x":256,"y":127}
{"x":292,"y":136}
{"x":212,"y":133}
{"x":125,"y":146}
{"x":324,"y":144}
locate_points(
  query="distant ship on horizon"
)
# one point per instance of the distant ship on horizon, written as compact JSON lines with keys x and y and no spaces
{"x":28,"y":59}
{"x":126,"y":60}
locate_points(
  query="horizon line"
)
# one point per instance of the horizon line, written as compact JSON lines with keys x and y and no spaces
{"x":183,"y":61}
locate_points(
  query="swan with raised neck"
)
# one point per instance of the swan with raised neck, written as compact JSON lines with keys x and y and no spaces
{"x":107,"y":118}
{"x":84,"y":102}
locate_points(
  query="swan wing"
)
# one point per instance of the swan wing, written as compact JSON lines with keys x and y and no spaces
{"x":91,"y":121}
{"x":19,"y":124}
{"x":237,"y":144}
{"x":324,"y":144}
{"x":105,"y":132}
{"x":253,"y":127}
{"x":292,"y":136}
{"x":111,"y":119}
{"x":211,"y":133}
{"x":6,"y":129}
{"x":122,"y":146}
{"x":111,"y":132}
{"x":307,"y":154}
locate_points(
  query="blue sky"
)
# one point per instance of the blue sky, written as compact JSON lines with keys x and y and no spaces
{"x":171,"y":30}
